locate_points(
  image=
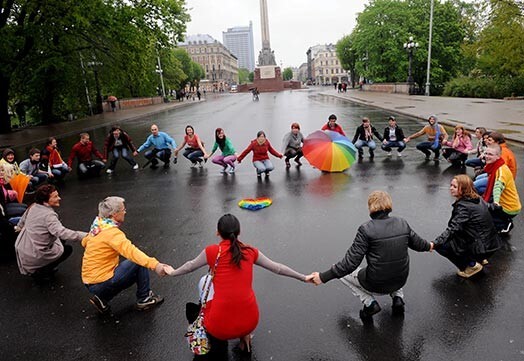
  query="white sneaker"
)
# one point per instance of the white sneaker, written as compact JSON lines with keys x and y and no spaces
{"x":200,"y":165}
{"x":135,"y":167}
{"x":231,"y":170}
{"x":399,"y":154}
{"x":109,"y":171}
{"x":388,"y":154}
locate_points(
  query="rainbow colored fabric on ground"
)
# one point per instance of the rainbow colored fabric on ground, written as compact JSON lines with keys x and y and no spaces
{"x":254,"y":204}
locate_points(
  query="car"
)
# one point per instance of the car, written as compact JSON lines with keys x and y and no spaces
{"x":233,"y":89}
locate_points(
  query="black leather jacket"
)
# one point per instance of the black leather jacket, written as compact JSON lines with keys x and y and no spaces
{"x":470,"y":228}
{"x":384,"y":241}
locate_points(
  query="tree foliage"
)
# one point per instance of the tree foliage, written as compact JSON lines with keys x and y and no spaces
{"x":243,"y":75}
{"x":45,"y":43}
{"x":287,"y":74}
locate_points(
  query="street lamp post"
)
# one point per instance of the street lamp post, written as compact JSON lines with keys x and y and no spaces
{"x":429,"y":48}
{"x":99,"y":100}
{"x":410,"y":46}
{"x":85,"y":85}
{"x":160,"y":71}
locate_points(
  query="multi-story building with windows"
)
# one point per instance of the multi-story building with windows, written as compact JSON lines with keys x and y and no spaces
{"x":323,"y":66}
{"x":220,"y":66}
{"x":239,"y":40}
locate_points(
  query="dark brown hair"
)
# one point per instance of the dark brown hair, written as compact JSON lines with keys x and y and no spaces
{"x":43,"y":193}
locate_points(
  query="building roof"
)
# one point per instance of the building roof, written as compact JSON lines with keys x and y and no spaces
{"x":198,"y":39}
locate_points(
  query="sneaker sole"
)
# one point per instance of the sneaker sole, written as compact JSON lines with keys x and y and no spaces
{"x":100,"y":311}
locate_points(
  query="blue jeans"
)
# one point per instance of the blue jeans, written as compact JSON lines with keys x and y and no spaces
{"x":263,"y":166}
{"x":425,"y":148}
{"x":194,"y":155}
{"x":154,"y":154}
{"x":60,"y":172}
{"x":124,"y":152}
{"x":126,"y":274}
{"x":474,"y":162}
{"x":362,"y":143}
{"x":400,"y":145}
{"x":481,"y":183}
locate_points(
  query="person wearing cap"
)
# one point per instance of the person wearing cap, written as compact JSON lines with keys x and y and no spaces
{"x":333,"y":126}
{"x":102,"y":272}
{"x":119,"y":144}
{"x":393,"y":138}
{"x":436,"y":134}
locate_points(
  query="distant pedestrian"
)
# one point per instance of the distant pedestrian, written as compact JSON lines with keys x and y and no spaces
{"x":195,"y":147}
{"x":436,"y":134}
{"x":260,"y":148}
{"x":459,"y":147}
{"x":393,"y":138}
{"x":40,"y":246}
{"x":228,"y":156}
{"x":199,"y":95}
{"x":470,"y":238}
{"x":162,"y":144}
{"x":112,"y":101}
{"x":104,"y":275}
{"x":332,"y":125}
{"x":384,"y":242}
{"x":292,"y":145}
{"x":364,"y":138}
{"x":119,"y":144}
{"x":84,"y":151}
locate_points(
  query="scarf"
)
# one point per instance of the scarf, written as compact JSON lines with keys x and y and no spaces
{"x":491,"y":170}
{"x":368,"y":133}
{"x":100,"y":224}
{"x":437,"y":135}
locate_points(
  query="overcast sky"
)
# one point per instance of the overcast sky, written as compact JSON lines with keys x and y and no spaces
{"x":294,"y":25}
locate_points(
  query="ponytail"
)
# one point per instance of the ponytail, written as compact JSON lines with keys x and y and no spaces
{"x":229,"y":228}
{"x":236,"y":250}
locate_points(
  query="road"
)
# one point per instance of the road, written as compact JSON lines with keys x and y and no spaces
{"x":172,"y":215}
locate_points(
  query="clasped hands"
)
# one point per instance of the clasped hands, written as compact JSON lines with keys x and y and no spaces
{"x":313,"y":278}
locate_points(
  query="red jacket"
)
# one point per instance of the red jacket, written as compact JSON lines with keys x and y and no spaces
{"x":337,"y":129}
{"x":83,"y":152}
{"x":259,"y":151}
{"x":54,"y":157}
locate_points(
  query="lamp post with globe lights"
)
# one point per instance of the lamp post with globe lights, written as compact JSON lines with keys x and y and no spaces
{"x":410,"y":46}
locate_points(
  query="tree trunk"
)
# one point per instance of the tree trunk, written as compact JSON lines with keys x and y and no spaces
{"x":5,"y":118}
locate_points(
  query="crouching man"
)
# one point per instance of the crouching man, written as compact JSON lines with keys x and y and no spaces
{"x":384,"y":242}
{"x":103,"y":274}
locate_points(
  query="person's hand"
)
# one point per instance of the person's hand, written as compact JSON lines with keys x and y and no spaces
{"x":431,"y":246}
{"x":70,"y":169}
{"x":169,"y":270}
{"x":50,"y":175}
{"x":316,"y":278}
{"x":176,"y":153}
{"x":160,"y":269}
{"x":239,"y":161}
{"x":384,"y":141}
{"x":281,"y":155}
{"x":135,"y":153}
{"x":406,"y":140}
{"x":104,"y":160}
{"x":309,"y":279}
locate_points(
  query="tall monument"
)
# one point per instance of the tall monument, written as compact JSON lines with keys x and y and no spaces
{"x":268,"y":76}
{"x":266,"y":56}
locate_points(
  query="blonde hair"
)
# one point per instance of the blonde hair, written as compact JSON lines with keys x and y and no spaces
{"x":379,"y":201}
{"x":9,"y":171}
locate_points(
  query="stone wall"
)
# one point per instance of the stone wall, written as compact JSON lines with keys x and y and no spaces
{"x":401,"y":88}
{"x":122,"y":104}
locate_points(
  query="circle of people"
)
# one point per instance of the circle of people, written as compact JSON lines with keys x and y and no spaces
{"x":483,"y":210}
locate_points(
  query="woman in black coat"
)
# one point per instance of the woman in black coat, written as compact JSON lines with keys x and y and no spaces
{"x":471,"y":237}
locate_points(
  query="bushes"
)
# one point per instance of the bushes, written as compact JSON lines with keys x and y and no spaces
{"x":485,"y":87}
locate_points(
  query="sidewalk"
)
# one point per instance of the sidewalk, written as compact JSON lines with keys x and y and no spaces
{"x":504,"y":116}
{"x":40,"y":133}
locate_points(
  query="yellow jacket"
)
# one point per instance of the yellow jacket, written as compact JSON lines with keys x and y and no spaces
{"x":102,"y":255}
{"x":505,"y":192}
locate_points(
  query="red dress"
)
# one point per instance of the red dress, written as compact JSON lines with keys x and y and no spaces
{"x":233,"y":311}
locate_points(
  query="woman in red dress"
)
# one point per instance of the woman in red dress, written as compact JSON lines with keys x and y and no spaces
{"x":233,"y":311}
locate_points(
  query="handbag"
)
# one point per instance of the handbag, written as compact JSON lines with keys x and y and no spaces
{"x":196,"y":334}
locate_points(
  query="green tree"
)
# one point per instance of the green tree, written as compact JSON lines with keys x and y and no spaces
{"x":243,"y":75}
{"x":348,"y":57}
{"x":385,"y":25}
{"x":43,"y":43}
{"x":287,"y":74}
{"x":501,"y":45}
{"x":251,"y":77}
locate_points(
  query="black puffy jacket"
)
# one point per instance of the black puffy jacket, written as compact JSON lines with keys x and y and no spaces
{"x":470,"y":228}
{"x":384,"y":241}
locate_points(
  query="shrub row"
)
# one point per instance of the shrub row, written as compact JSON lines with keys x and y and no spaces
{"x":485,"y":87}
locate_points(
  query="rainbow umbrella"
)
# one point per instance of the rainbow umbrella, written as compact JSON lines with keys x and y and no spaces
{"x":329,"y":151}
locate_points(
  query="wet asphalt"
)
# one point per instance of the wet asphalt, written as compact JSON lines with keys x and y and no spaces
{"x":172,"y":215}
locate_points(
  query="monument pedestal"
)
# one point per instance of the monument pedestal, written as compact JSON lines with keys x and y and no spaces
{"x":268,"y":78}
